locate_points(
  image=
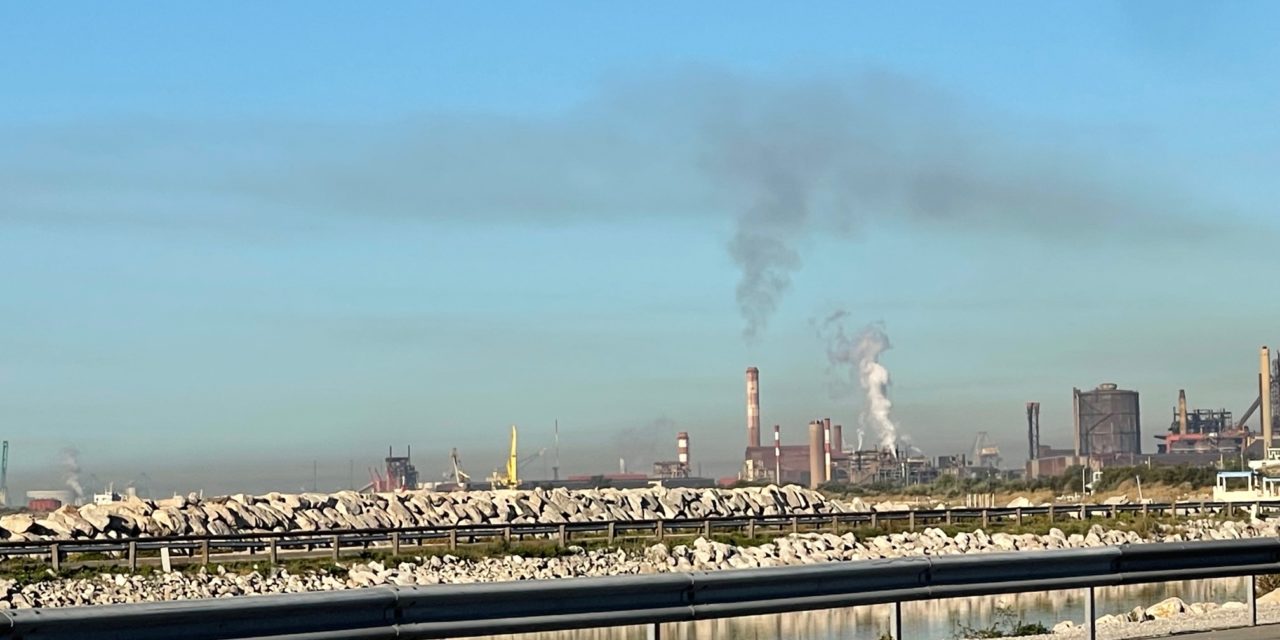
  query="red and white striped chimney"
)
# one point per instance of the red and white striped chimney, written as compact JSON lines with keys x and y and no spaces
{"x":826,"y":448}
{"x":777,"y":454}
{"x":753,"y":407}
{"x":682,"y":449}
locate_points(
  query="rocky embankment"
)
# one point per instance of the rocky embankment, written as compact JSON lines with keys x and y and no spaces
{"x":701,"y":554}
{"x":350,"y":510}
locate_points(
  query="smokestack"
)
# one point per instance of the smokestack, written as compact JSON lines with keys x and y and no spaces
{"x":816,"y":475}
{"x":777,"y":454}
{"x":622,"y":466}
{"x":1264,"y":388}
{"x":1182,"y":412}
{"x":753,"y":407}
{"x":837,"y":439}
{"x":826,"y":448}
{"x":1033,"y":430}
{"x":682,"y":450}
{"x":1075,"y":417}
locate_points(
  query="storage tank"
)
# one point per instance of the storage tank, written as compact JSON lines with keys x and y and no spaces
{"x":1107,"y":421}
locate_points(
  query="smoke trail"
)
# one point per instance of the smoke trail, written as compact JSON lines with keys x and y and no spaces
{"x":781,"y":161}
{"x":71,"y":472}
{"x":859,"y":355}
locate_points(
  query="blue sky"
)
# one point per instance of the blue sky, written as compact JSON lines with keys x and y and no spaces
{"x":243,"y":237}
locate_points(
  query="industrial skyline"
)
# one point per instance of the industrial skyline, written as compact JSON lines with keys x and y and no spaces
{"x":255,"y":270}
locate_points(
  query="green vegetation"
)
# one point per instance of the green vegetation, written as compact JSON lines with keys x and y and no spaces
{"x":947,"y":486}
{"x":1006,"y":624}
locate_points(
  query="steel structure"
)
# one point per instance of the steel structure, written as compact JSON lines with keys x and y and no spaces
{"x":530,"y":606}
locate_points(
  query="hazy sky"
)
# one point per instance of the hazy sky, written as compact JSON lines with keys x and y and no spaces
{"x":238,"y":238}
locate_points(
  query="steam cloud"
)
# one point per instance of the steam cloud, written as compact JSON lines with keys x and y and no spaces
{"x":859,"y":355}
{"x":71,"y":472}
{"x":783,"y":161}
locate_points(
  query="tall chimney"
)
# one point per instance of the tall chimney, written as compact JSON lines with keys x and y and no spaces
{"x":837,"y":439}
{"x":777,"y":454}
{"x":1182,"y":412}
{"x":826,"y":449}
{"x":1264,"y":388}
{"x":815,"y":455}
{"x":682,"y":451}
{"x":1075,"y":419}
{"x":753,"y":407}
{"x":1033,"y":430}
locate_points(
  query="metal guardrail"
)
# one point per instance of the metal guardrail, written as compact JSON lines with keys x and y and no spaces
{"x":204,"y":548}
{"x":529,"y":606}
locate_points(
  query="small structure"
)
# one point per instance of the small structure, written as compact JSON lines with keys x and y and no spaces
{"x":1245,"y":486}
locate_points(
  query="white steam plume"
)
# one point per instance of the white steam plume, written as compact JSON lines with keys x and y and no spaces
{"x":860,"y":355}
{"x":71,"y":469}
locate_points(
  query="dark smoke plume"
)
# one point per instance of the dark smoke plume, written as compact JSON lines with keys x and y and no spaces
{"x":782,"y":160}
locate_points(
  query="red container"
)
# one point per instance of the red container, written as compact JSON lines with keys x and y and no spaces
{"x":44,"y":505}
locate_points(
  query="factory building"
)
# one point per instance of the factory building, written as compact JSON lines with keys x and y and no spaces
{"x":1107,"y":422}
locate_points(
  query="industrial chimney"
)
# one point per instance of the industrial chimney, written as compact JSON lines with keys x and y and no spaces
{"x":837,"y":439}
{"x":777,"y":454}
{"x":816,"y":475}
{"x":1033,"y":430}
{"x":826,"y":449}
{"x":1264,"y":388}
{"x":682,"y":451}
{"x":753,"y":407}
{"x":1182,"y":412}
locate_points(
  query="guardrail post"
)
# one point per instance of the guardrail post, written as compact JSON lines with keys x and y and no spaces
{"x":133,"y":555}
{"x":706,"y":529}
{"x":660,"y":531}
{"x":453,"y":539}
{"x":875,"y":520}
{"x":1084,"y":512}
{"x":1253,"y":601}
{"x":395,"y":543}
{"x":1144,"y":509}
{"x":895,"y":621}
{"x":563,"y":538}
{"x":337,"y":547}
{"x":751,"y":528}
{"x":1090,"y":616}
{"x":613,"y":531}
{"x":653,"y":631}
{"x":911,"y":520}
{"x":948,"y":519}
{"x":55,"y":557}
{"x":272,"y":552}
{"x":1202,"y":509}
{"x":1017,"y":514}
{"x":795,"y":524}
{"x":1050,"y":513}
{"x":506,"y":534}
{"x":835,"y":524}
{"x":204,"y":552}
{"x":986,"y":518}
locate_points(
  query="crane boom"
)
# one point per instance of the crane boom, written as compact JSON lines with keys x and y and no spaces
{"x":513,"y":463}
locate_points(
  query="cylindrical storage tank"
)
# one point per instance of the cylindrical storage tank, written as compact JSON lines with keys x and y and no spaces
{"x":816,"y":476}
{"x":44,"y":505}
{"x":1108,"y":421}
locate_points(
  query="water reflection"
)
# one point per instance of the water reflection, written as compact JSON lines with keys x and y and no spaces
{"x":931,"y":620}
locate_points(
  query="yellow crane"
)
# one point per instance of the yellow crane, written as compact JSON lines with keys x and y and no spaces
{"x":512,"y":478}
